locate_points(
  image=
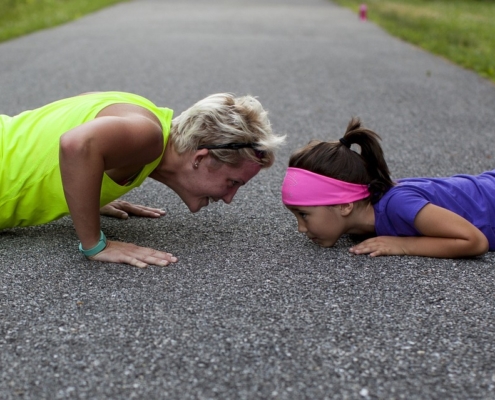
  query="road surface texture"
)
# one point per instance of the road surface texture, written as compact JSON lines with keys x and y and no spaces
{"x":253,"y":310}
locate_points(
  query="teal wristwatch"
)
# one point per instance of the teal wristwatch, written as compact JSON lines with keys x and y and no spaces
{"x":102,"y":243}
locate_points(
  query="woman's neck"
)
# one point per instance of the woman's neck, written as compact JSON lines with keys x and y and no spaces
{"x":171,"y":167}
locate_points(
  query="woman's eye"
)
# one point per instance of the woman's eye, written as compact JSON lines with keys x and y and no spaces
{"x":303,"y":215}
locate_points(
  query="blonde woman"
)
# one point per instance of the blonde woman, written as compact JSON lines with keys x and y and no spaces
{"x":78,"y":155}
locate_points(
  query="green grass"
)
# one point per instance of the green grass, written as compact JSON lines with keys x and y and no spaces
{"x":19,"y":17}
{"x":462,"y":31}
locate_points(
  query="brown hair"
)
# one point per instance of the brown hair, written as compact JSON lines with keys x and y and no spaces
{"x":336,"y":159}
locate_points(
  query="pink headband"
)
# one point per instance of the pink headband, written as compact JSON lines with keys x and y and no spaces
{"x":305,"y":188}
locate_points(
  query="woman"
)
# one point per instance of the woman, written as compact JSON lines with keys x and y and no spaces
{"x":78,"y":155}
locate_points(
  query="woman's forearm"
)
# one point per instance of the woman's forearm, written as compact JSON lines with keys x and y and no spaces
{"x":82,"y":170}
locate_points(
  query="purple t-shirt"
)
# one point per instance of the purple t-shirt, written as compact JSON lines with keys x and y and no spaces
{"x":471,"y":197}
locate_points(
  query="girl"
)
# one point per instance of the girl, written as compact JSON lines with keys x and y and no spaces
{"x":332,"y":190}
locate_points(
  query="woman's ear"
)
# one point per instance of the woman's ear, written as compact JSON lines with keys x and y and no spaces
{"x":198,"y":156}
{"x":346,"y":209}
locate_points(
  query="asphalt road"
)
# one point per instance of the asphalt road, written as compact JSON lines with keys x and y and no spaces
{"x":252,"y":310}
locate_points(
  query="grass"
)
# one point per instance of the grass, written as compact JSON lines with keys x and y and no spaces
{"x":462,"y":31}
{"x":19,"y":17}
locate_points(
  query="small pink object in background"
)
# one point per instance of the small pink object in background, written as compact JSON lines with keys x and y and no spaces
{"x":363,"y":11}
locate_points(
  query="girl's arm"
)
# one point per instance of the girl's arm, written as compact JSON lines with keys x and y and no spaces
{"x":446,"y":235}
{"x":87,"y":151}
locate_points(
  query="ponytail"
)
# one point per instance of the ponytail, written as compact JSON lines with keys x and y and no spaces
{"x":337,"y":160}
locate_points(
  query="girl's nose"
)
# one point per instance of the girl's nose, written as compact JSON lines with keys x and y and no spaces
{"x":301,"y":227}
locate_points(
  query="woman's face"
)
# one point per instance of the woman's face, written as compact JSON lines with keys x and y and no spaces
{"x":322,"y":224}
{"x":212,"y":181}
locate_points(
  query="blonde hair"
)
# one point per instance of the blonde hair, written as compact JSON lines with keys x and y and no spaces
{"x":223,"y":119}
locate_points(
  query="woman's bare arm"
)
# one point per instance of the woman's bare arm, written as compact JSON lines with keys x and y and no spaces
{"x":106,"y":143}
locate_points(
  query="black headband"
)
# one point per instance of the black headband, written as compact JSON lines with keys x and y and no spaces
{"x":231,"y":146}
{"x":235,"y":146}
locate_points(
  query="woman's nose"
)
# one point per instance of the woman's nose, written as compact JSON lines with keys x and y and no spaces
{"x":229,"y":196}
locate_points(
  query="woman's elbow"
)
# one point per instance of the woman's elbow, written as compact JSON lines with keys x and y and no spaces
{"x":70,"y":146}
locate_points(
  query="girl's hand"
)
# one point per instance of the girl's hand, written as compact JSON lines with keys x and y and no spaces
{"x":122,"y":209}
{"x":380,"y":246}
{"x":128,"y":253}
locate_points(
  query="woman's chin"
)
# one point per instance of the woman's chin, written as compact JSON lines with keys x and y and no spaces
{"x":194,"y":208}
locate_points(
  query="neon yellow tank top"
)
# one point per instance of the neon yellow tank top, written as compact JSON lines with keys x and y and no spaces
{"x":31,"y":191}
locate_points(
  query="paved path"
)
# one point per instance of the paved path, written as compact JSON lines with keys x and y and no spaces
{"x":252,"y":311}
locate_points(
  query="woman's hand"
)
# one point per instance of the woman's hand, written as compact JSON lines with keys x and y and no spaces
{"x":122,"y":209}
{"x":128,"y":253}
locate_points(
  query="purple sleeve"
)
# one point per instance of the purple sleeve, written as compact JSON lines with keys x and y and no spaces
{"x":399,"y":212}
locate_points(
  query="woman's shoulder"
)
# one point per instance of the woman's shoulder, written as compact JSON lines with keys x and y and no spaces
{"x":117,"y":96}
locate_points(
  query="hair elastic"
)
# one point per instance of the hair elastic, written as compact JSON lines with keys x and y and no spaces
{"x":345,"y":143}
{"x":304,"y":188}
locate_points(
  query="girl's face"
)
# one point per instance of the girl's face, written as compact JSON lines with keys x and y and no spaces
{"x":322,"y":224}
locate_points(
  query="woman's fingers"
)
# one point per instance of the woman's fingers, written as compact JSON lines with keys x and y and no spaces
{"x":128,"y":253}
{"x":122,"y":209}
{"x":111,"y":211}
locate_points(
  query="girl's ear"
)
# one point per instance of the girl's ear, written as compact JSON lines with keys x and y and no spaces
{"x":346,"y":209}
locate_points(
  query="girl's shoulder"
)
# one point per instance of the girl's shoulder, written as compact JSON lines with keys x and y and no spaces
{"x":396,"y":210}
{"x":403,"y":198}
{"x":466,"y":191}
